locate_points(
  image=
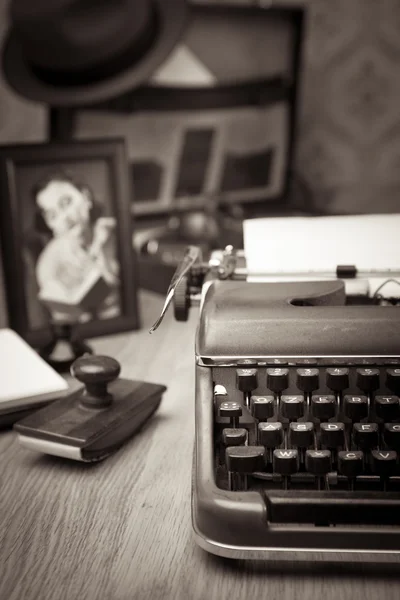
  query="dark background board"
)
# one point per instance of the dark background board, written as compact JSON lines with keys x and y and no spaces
{"x":232,"y":104}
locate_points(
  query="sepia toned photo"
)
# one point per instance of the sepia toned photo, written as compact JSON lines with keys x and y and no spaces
{"x":75,"y":236}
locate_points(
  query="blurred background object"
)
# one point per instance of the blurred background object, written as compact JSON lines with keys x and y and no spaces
{"x":76,"y":52}
{"x":348,"y":142}
{"x":347,"y":131}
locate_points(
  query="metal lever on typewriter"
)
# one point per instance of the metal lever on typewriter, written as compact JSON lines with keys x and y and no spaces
{"x":188,"y":279}
{"x":192,"y":256}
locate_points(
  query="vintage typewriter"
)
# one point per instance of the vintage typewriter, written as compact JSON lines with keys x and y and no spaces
{"x":297,"y":413}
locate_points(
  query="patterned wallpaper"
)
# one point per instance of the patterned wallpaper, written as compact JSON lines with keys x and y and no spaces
{"x":349,"y":130}
{"x":349,"y":125}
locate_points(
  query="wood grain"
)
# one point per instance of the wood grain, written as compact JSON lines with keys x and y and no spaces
{"x":120,"y":530}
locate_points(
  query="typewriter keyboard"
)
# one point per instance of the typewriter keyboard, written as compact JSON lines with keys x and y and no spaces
{"x":320,"y":439}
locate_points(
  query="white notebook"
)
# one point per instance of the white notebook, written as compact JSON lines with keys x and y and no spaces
{"x":25,"y":378}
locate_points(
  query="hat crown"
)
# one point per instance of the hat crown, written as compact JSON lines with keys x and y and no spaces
{"x":77,"y":34}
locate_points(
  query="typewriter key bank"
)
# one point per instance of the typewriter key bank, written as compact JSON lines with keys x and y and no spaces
{"x":297,"y":422}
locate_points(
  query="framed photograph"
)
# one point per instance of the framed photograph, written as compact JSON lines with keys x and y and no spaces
{"x":66,"y":231}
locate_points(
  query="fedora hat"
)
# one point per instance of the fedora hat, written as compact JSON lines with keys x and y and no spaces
{"x":80,"y":52}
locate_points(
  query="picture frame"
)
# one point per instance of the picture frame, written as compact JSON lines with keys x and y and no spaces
{"x":66,"y":232}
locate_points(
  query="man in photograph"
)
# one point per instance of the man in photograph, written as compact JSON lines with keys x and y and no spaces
{"x":78,"y":267}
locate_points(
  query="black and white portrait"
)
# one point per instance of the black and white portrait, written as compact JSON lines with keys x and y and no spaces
{"x":70,"y":224}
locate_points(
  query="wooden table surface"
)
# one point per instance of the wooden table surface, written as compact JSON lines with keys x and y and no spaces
{"x":120,"y":529}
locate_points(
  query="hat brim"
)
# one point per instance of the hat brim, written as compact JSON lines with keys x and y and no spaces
{"x":18,"y":74}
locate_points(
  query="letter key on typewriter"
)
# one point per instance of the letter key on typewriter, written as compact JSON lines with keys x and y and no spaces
{"x":297,"y":420}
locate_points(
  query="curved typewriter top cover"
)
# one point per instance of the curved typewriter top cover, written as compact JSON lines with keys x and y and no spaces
{"x":242,"y":319}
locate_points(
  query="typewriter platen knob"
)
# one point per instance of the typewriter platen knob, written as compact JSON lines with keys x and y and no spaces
{"x":182,"y":300}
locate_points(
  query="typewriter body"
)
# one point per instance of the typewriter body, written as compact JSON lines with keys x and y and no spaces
{"x":297,"y":415}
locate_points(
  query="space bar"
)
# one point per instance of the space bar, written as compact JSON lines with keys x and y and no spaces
{"x":325,"y":508}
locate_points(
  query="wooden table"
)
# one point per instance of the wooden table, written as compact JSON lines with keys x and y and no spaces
{"x":121,"y":530}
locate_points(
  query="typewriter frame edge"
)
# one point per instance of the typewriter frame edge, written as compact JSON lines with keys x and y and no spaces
{"x":215,"y":512}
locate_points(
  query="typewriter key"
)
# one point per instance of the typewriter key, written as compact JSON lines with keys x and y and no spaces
{"x":241,"y":461}
{"x":393,"y":380}
{"x":319,"y":463}
{"x":271,"y":436}
{"x":368,"y":379}
{"x":234,"y":437}
{"x":387,"y":407}
{"x":292,"y":407}
{"x":323,"y":407}
{"x":285,"y":463}
{"x":384,"y":464}
{"x":277,"y":380}
{"x":301,"y":434}
{"x":262,"y":407}
{"x":337,"y":378}
{"x":246,"y":382}
{"x":391,"y":435}
{"x":366,"y":435}
{"x":356,"y":407}
{"x":351,"y":464}
{"x":307,"y":379}
{"x":231,"y":410}
{"x":332,"y":437}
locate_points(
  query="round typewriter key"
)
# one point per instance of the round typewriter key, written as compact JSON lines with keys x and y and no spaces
{"x":292,"y":407}
{"x":366,"y":435}
{"x":234,"y":437}
{"x":391,"y":435}
{"x":262,"y":407}
{"x":301,"y":434}
{"x":277,"y":380}
{"x":351,"y":464}
{"x":323,"y":407}
{"x":285,"y":462}
{"x":231,"y":437}
{"x":246,"y":379}
{"x":245,"y":459}
{"x":393,"y":380}
{"x":337,"y":378}
{"x":318,"y":462}
{"x":368,"y":379}
{"x":231,"y":410}
{"x":387,"y":407}
{"x":270,"y":435}
{"x":240,"y":462}
{"x":332,"y":435}
{"x":356,"y":407}
{"x":307,"y":379}
{"x":384,"y":462}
